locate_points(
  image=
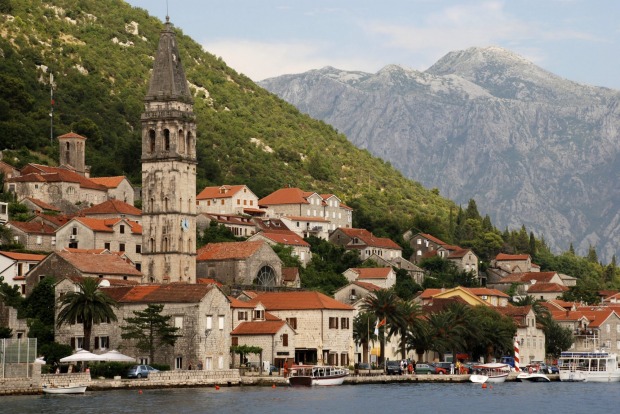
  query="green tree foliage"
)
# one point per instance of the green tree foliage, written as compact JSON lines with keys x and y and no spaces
{"x":88,"y":304}
{"x":384,"y":305}
{"x":364,"y":332}
{"x":405,"y":288}
{"x":10,"y":295}
{"x":443,"y":273}
{"x":217,"y":233}
{"x":150,"y":329}
{"x":285,"y":253}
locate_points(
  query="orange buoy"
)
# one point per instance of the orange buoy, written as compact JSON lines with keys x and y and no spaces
{"x":484,"y":385}
{"x":139,"y":391}
{"x":273,"y":386}
{"x":217,"y":387}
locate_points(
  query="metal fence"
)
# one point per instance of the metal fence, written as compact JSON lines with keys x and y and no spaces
{"x":17,"y":356}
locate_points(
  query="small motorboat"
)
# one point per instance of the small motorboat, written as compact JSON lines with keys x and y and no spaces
{"x":308,"y":375}
{"x":532,"y":377}
{"x":69,"y":389}
{"x":494,"y":373}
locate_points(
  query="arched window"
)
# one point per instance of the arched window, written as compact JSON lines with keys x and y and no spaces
{"x":166,"y":204}
{"x":181,"y":137}
{"x":167,"y":139}
{"x":165,"y":244}
{"x":151,"y":140}
{"x":151,"y":245}
{"x":188,"y":143}
{"x":266,"y":276}
{"x":68,"y":153}
{"x":151,"y":204}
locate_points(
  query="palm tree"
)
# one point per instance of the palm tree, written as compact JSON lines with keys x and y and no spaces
{"x":408,"y":318}
{"x":383,"y":304}
{"x":419,"y":338}
{"x":88,"y":304}
{"x":446,"y":332}
{"x":363,"y":332}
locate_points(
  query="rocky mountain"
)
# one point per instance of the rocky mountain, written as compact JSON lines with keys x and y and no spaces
{"x":530,"y":147}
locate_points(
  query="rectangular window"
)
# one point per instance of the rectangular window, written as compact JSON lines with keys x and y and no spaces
{"x":220,"y":362}
{"x":245,"y":202}
{"x":178,"y":363}
{"x":122,"y":229}
{"x":259,"y":314}
{"x":242,"y":316}
{"x":344,"y":323}
{"x":106,"y":246}
{"x":209,"y":322}
{"x":608,"y":328}
{"x":209,"y":363}
{"x":39,"y":240}
{"x":344,"y":359}
{"x":222,"y":202}
{"x":121,"y":247}
{"x":138,"y":248}
{"x":102,"y":342}
{"x":235,"y":341}
{"x":77,"y":342}
{"x":238,"y":202}
{"x":220,"y":322}
{"x":292,"y":322}
{"x":285,"y":340}
{"x":178,"y":322}
{"x":333,"y":323}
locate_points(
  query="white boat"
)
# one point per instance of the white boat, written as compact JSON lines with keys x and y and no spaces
{"x":532,"y":377}
{"x":69,"y":389}
{"x":492,"y":373}
{"x":308,"y":375}
{"x":594,"y":366}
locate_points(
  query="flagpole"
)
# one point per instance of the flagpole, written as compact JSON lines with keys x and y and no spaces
{"x":51,"y":107}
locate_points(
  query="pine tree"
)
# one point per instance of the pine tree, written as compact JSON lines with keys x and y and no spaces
{"x":532,"y":250}
{"x":151,"y":329}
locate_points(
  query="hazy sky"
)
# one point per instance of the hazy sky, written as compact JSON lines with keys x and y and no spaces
{"x":576,"y":39}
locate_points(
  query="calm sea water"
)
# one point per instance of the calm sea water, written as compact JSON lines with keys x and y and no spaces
{"x":507,"y":398}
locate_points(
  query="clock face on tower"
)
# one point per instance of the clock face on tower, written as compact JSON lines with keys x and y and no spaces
{"x":184,"y":224}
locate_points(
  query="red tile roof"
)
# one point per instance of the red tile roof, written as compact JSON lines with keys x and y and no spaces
{"x":258,"y":328}
{"x":44,"y":173}
{"x":208,"y":281}
{"x":92,"y":251}
{"x":369,"y":239}
{"x":511,"y":257}
{"x":307,"y":218}
{"x":236,"y":303}
{"x":112,"y":206}
{"x":457,"y":254}
{"x":287,"y":239}
{"x":56,"y":219}
{"x":543,"y":287}
{"x":109,"y":182}
{"x":168,"y":293}
{"x":33,"y":227}
{"x":106,"y":264}
{"x":433,"y":239}
{"x":71,"y":135}
{"x":285,"y":196}
{"x":528,"y":276}
{"x":274,"y":301}
{"x":290,"y":274}
{"x":228,"y":251}
{"x":24,"y":256}
{"x":487,"y":292}
{"x":368,"y":286}
{"x":222,"y":191}
{"x":42,"y":204}
{"x":372,"y":272}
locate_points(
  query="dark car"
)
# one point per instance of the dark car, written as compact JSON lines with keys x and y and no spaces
{"x":140,"y":371}
{"x":393,"y":368}
{"x":439,"y":368}
{"x":424,"y":369}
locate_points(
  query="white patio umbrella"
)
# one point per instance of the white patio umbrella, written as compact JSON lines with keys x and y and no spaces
{"x":81,"y":356}
{"x":114,"y":355}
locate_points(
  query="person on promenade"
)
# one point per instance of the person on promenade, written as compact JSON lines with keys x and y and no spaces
{"x":285,"y":369}
{"x":410,"y":368}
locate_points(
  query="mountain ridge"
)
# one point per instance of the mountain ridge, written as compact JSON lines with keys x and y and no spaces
{"x":533,"y":149}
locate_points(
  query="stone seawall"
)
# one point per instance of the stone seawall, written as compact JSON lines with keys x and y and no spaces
{"x":172,"y":379}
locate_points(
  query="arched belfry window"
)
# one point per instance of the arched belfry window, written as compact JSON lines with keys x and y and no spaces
{"x":167,"y":139}
{"x":166,"y":204}
{"x":68,"y":153}
{"x":188,"y":142}
{"x":266,"y":276}
{"x":181,"y":137}
{"x":151,"y":245}
{"x":151,"y":140}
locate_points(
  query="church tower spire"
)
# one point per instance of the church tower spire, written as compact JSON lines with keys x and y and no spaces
{"x":168,"y":170}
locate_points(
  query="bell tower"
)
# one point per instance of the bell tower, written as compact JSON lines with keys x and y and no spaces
{"x":168,"y":170}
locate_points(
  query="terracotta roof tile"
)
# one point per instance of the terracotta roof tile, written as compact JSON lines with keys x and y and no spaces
{"x":285,"y":196}
{"x":24,"y":256}
{"x":258,"y":328}
{"x":504,"y":256}
{"x":236,"y":303}
{"x":528,"y":276}
{"x":32,"y":227}
{"x":307,"y":218}
{"x":372,"y":272}
{"x":287,"y":239}
{"x":208,"y":281}
{"x":433,"y":239}
{"x":109,"y":182}
{"x":368,"y":286}
{"x":543,"y":287}
{"x":298,"y":301}
{"x":290,"y":274}
{"x":38,"y":172}
{"x":228,"y":251}
{"x":72,"y":135}
{"x":222,"y":191}
{"x":459,"y":253}
{"x":112,"y":206}
{"x":168,"y":293}
{"x":369,"y":239}
{"x":42,"y":204}
{"x":107,"y":264}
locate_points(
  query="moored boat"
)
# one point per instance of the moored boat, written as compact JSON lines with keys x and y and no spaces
{"x":69,"y":389}
{"x":594,"y":366}
{"x":532,"y":377}
{"x":308,"y":375}
{"x":493,"y":373}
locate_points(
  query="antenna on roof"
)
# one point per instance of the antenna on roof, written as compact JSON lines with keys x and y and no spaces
{"x":167,"y":14}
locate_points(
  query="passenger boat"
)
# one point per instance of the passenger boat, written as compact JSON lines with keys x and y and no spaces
{"x":493,"y":373}
{"x":532,"y":377}
{"x":308,"y":375}
{"x":69,"y":389}
{"x":594,"y":366}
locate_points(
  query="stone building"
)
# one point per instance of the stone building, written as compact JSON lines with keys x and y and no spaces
{"x":113,"y":234}
{"x":64,"y":264}
{"x":226,"y":199}
{"x":300,"y":247}
{"x":168,"y":170}
{"x":240,"y":226}
{"x":73,"y":153}
{"x":323,"y":326}
{"x":33,"y":235}
{"x":119,"y":188}
{"x":384,"y":277}
{"x":14,"y":266}
{"x":113,"y":208}
{"x":240,"y":263}
{"x":366,"y":243}
{"x":530,"y":333}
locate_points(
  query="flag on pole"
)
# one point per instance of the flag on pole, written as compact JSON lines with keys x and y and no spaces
{"x":377,"y":327}
{"x":382,"y":322}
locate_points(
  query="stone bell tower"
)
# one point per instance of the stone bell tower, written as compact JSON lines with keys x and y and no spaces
{"x":168,"y":170}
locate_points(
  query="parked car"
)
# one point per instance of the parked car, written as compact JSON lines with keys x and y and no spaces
{"x":140,"y":371}
{"x":440,"y":368}
{"x":424,"y":369}
{"x":393,"y":368}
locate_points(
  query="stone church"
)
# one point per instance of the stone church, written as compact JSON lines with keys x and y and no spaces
{"x":168,"y":170}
